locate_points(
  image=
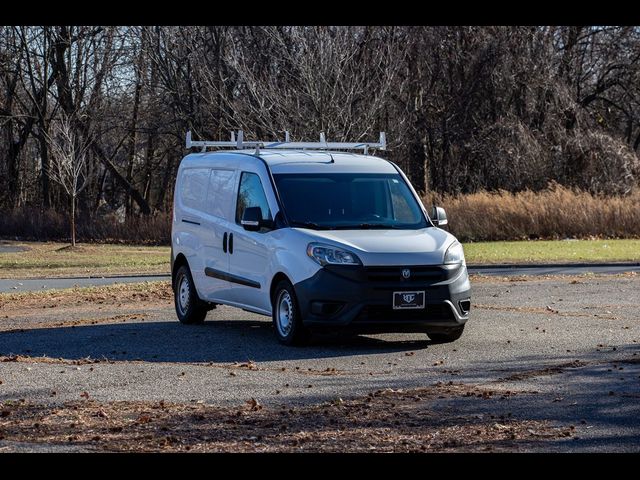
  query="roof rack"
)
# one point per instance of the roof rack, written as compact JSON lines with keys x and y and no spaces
{"x":239,"y":143}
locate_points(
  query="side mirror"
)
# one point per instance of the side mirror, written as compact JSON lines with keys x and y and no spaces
{"x":439,"y":216}
{"x":252,"y":220}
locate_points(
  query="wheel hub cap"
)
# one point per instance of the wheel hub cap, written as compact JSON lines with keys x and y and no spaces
{"x":284,"y":313}
{"x":183,"y":295}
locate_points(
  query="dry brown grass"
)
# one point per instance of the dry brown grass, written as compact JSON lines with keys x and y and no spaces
{"x":556,"y":212}
{"x":38,"y":224}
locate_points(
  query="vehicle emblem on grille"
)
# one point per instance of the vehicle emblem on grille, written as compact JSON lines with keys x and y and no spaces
{"x":406,"y":273}
{"x":409,"y":298}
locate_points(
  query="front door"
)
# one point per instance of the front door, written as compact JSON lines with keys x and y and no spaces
{"x":248,"y":259}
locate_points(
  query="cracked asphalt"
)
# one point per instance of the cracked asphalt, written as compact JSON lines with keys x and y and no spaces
{"x":568,"y":346}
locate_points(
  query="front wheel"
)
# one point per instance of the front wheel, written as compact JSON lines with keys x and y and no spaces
{"x":286,"y":316}
{"x":189,"y":308}
{"x":451,"y":335}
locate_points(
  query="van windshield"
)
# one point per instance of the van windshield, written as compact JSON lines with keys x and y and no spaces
{"x":349,"y":201}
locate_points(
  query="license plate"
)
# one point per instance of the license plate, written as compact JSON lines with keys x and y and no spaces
{"x":408,"y":300}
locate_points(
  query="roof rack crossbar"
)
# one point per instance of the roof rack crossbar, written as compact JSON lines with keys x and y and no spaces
{"x":238,"y":142}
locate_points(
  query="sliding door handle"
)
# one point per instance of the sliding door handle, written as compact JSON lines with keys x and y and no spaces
{"x":224,"y":242}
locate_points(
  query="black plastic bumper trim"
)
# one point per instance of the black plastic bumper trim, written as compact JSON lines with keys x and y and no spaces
{"x":367,"y":302}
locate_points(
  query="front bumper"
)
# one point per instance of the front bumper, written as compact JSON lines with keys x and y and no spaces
{"x":361,"y":297}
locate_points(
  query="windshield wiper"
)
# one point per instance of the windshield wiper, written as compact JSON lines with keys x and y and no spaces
{"x":385,"y":226}
{"x":311,"y":225}
{"x":366,"y":226}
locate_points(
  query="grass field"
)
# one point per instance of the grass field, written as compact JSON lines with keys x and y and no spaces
{"x":58,"y":260}
{"x":552,"y":251}
{"x":52,"y":259}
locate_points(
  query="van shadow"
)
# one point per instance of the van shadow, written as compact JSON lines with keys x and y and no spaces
{"x":214,"y":341}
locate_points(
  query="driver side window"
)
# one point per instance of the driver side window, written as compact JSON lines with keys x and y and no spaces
{"x":251,"y":194}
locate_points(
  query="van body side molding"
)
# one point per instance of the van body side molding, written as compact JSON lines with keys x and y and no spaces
{"x":212,"y":272}
{"x":190,"y":221}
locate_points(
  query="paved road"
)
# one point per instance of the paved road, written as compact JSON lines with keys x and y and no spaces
{"x":569,"y":347}
{"x":18,"y":285}
{"x":550,"y":269}
{"x":11,"y":248}
{"x":26,"y":285}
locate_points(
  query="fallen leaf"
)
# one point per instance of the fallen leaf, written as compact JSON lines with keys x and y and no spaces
{"x":144,"y":419}
{"x":84,"y":395}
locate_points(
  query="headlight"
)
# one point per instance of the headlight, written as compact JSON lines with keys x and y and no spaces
{"x":454,"y":254}
{"x":329,"y":255}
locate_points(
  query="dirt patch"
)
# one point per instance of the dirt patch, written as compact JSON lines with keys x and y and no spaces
{"x":570,"y":279}
{"x":384,"y":421}
{"x":49,"y":360}
{"x":554,"y":370}
{"x":72,"y":248}
{"x":17,"y":303}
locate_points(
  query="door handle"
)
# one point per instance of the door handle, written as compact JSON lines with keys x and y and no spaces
{"x":231,"y":243}
{"x":224,"y":242}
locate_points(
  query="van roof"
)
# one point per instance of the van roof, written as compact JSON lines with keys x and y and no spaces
{"x":305,"y":161}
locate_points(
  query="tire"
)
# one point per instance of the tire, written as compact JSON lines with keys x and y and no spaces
{"x":450,"y":336}
{"x":189,"y":308}
{"x":287,"y":320}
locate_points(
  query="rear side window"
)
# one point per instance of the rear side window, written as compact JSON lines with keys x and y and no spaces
{"x":194,"y":187}
{"x":251,"y":194}
{"x":220,"y":194}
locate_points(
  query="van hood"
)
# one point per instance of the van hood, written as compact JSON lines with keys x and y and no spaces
{"x":426,"y":246}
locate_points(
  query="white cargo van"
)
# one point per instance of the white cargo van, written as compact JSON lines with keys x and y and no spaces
{"x":314,"y":237}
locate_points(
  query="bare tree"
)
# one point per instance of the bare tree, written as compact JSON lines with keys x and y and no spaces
{"x":464,"y":108}
{"x":69,"y":166}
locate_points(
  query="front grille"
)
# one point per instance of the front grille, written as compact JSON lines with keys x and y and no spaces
{"x":420,"y":274}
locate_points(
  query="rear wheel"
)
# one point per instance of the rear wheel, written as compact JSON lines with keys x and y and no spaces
{"x":286,"y":316}
{"x":451,"y":335}
{"x":189,"y":308}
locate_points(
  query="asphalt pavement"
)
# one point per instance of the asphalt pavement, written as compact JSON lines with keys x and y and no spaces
{"x":8,"y":285}
{"x":561,"y":350}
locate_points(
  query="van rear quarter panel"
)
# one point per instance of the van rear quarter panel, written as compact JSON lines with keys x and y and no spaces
{"x":187,"y":217}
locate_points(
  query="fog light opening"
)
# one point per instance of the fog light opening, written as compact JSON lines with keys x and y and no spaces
{"x":325,"y":309}
{"x":465,"y":305}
